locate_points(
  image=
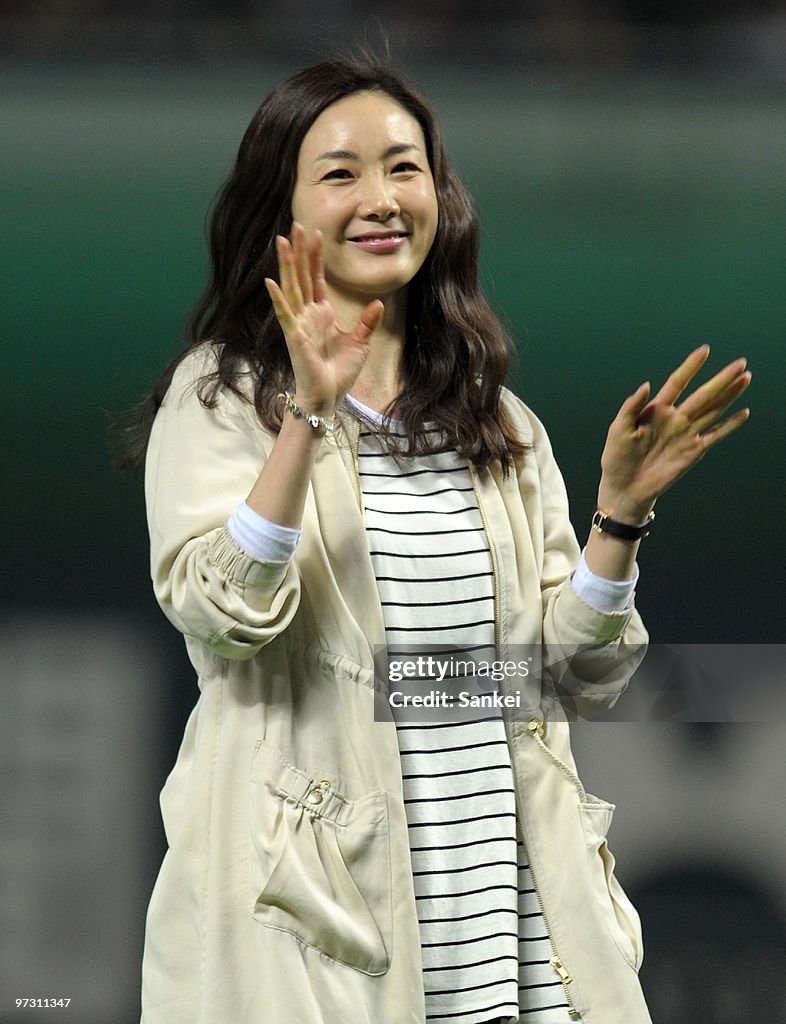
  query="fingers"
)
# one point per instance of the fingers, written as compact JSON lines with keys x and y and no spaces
{"x":287,"y":269}
{"x":369,"y":319}
{"x":682,"y":376}
{"x":633,"y":406}
{"x":708,"y":402}
{"x":713,"y":393}
{"x":317,"y":268}
{"x":301,"y":268}
{"x":706,"y":416}
{"x":722,"y":430}
{"x":302,"y":258}
{"x":280,"y":306}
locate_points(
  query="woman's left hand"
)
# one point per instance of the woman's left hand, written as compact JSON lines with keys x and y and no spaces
{"x":653,"y":441}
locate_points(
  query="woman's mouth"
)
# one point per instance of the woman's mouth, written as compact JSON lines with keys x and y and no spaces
{"x":380,"y":241}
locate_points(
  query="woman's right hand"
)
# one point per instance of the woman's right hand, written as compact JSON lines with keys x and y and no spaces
{"x":326,"y":360}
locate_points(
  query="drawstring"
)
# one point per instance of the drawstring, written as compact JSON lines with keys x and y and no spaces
{"x":535,"y":729}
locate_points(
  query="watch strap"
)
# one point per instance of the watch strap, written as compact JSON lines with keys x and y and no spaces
{"x":603,"y":523}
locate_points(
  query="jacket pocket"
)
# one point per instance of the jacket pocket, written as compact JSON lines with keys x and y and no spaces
{"x":617,"y":911}
{"x":322,"y":865}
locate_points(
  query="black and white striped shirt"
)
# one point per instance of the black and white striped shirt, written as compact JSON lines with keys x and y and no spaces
{"x":484,"y":944}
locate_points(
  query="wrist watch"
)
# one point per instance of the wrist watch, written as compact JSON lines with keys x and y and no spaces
{"x":603,"y":523}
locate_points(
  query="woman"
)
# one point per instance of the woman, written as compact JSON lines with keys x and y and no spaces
{"x":334,"y":466}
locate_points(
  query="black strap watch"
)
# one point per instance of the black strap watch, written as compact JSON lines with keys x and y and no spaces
{"x":603,"y":523}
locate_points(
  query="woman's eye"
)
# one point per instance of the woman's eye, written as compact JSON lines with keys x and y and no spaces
{"x":339,"y":174}
{"x":406,"y":168}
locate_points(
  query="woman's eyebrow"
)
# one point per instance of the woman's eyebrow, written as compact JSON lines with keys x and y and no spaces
{"x":346,"y":154}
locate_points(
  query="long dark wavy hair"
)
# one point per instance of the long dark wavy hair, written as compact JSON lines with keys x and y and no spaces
{"x":456,"y":351}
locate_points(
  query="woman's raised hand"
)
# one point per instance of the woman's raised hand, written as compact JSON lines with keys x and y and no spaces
{"x":326,"y":360}
{"x":653,"y":441}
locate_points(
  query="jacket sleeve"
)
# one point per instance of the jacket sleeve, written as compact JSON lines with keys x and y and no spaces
{"x":590,"y":655}
{"x":201,"y":463}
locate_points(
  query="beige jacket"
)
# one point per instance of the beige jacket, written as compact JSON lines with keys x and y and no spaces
{"x":279,"y":904}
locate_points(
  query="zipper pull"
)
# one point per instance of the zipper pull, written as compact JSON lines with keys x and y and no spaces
{"x":557,"y":964}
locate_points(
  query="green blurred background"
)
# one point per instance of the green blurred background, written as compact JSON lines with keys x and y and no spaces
{"x":622,"y":225}
{"x":628,"y":214}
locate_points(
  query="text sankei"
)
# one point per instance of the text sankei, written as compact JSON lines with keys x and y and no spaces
{"x":445,"y":699}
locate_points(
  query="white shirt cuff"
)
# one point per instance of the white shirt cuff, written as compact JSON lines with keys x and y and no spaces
{"x":601,"y":594}
{"x":262,"y":539}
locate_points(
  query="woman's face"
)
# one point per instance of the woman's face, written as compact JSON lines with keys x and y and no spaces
{"x":364,"y":180}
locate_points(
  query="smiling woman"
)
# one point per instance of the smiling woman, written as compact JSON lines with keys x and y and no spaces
{"x":364,"y":181}
{"x":455,"y":352}
{"x":335,"y":470}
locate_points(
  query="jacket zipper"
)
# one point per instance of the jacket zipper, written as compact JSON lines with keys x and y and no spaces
{"x":535,"y":728}
{"x":354,"y":444}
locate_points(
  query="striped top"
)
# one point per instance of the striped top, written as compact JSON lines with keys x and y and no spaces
{"x":484,"y":943}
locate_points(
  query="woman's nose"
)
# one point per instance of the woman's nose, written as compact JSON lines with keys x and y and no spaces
{"x":379,"y":201}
